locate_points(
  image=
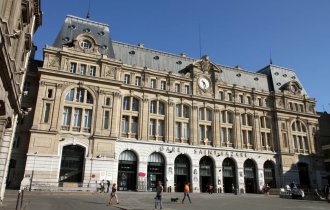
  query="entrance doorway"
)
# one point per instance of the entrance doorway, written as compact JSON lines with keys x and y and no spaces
{"x":181,"y":172}
{"x":206,"y":173}
{"x":156,"y":166}
{"x":269,"y":174}
{"x":72,"y":164}
{"x":250,"y":177}
{"x":303,"y":175}
{"x":127,"y":171}
{"x":229,"y":175}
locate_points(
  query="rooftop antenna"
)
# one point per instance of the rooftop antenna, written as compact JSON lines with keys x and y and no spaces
{"x":89,"y":6}
{"x":270,"y":57}
{"x":200,"y":40}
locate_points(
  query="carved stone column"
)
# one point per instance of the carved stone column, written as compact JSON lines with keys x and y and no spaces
{"x":216,"y":128}
{"x":144,"y":122}
{"x":194,"y":125}
{"x":170,"y":121}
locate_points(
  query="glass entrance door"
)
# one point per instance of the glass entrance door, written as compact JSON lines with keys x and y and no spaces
{"x":72,"y":164}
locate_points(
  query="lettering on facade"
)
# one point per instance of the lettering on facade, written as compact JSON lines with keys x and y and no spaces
{"x":208,"y":152}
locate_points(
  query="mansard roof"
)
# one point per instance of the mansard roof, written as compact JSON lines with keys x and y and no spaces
{"x":270,"y":78}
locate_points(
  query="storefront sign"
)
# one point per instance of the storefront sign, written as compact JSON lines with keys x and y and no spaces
{"x":142,"y":174}
{"x":209,"y":152}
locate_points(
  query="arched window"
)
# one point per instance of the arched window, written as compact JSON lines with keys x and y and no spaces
{"x":157,"y":121}
{"x":78,"y":110}
{"x":182,"y":123}
{"x":130,"y":117}
{"x":226,"y":133}
{"x":299,"y":135}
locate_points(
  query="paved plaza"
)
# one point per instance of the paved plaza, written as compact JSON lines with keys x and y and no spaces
{"x":144,"y":201}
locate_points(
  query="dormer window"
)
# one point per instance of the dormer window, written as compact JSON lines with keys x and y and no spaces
{"x":85,"y":44}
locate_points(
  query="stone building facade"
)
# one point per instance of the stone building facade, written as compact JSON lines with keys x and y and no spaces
{"x":19,"y":19}
{"x":132,"y":115}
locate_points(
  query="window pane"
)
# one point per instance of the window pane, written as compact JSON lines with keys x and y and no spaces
{"x":177,"y":130}
{"x":126,"y":102}
{"x":88,"y":118}
{"x":161,"y":108}
{"x":80,"y":95}
{"x":134,"y":125}
{"x":186,"y":131}
{"x":152,"y":127}
{"x":153,"y":107}
{"x":66,"y":116}
{"x":83,"y":69}
{"x":135,"y":104}
{"x":69,"y":95}
{"x":178,"y":110}
{"x":77,"y":117}
{"x":106,"y":120}
{"x":124,"y":124}
{"x":46,"y":113}
{"x":161,"y":127}
{"x":186,"y":113}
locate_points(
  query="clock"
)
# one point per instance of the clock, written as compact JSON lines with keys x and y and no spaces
{"x":203,"y":83}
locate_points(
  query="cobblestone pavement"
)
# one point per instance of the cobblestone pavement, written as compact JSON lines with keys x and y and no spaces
{"x":145,"y":201}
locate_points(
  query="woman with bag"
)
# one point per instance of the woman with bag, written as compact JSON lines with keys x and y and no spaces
{"x":113,"y":194}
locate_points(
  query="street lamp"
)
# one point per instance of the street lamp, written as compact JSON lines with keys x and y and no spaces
{"x":34,"y":162}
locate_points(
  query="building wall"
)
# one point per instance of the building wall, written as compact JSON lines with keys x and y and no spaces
{"x":19,"y":19}
{"x":265,"y":122}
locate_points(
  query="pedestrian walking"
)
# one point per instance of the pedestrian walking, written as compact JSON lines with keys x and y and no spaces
{"x":209,"y":188}
{"x":159,"y":195}
{"x":186,"y":192}
{"x":113,"y":194}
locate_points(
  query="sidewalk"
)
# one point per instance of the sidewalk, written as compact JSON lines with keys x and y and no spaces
{"x":10,"y":200}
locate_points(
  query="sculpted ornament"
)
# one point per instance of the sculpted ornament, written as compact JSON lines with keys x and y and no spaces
{"x":111,"y":72}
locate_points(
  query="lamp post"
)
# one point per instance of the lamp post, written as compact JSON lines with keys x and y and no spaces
{"x":34,"y":162}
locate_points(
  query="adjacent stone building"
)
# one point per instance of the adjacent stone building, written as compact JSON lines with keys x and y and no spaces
{"x":19,"y":19}
{"x":133,"y":115}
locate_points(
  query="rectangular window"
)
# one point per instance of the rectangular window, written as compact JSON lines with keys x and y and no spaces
{"x":240,"y":97}
{"x":107,"y":101}
{"x":83,"y":69}
{"x":268,"y":139}
{"x":259,"y":102}
{"x":124,"y":124}
{"x":92,"y":71}
{"x":301,"y":107}
{"x":249,"y":137}
{"x":73,"y":67}
{"x":127,"y":79}
{"x":186,"y":131}
{"x":153,"y":84}
{"x":223,"y":135}
{"x":263,"y":139}
{"x":134,"y":125}
{"x":229,"y":97}
{"x":306,"y":144}
{"x":249,"y":101}
{"x":106,"y":120}
{"x":177,"y":88}
{"x":152,"y":127}
{"x":88,"y":118}
{"x":178,"y":110}
{"x":221,"y":96}
{"x":285,"y":140}
{"x":77,"y":117}
{"x":296,"y":107}
{"x":177,"y":130}
{"x":201,"y":132}
{"x":209,"y":133}
{"x":66,"y":116}
{"x":138,"y":81}
{"x":230,"y":135}
{"x":201,"y":114}
{"x":187,"y":89}
{"x":161,"y":128}
{"x":50,"y":93}
{"x":46,"y":112}
{"x":163,"y":85}
{"x":208,"y":115}
{"x":223,"y":116}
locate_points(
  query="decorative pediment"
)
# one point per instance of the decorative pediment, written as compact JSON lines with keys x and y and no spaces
{"x":204,"y":66}
{"x":293,"y":86}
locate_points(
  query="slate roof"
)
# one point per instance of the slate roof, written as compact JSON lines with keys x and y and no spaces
{"x":270,"y":78}
{"x":74,"y":26}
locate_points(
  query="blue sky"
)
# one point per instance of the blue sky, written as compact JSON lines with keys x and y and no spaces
{"x":233,"y":32}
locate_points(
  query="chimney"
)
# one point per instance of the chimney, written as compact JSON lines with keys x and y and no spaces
{"x":141,"y":45}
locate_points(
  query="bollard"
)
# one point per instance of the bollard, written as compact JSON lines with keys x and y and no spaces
{"x":18,"y":196}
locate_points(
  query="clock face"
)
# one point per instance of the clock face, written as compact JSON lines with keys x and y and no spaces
{"x":203,"y":83}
